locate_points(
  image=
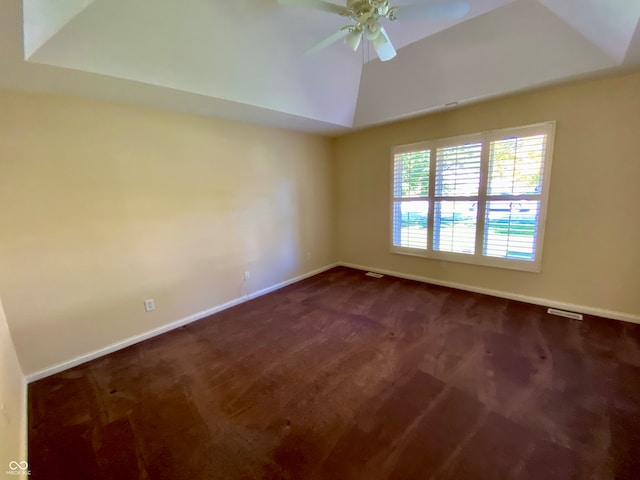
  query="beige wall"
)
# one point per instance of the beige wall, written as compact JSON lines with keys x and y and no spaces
{"x":592,"y":244}
{"x":12,"y":402}
{"x":104,"y":206}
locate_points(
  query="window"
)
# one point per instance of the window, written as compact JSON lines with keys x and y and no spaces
{"x":476,"y":199}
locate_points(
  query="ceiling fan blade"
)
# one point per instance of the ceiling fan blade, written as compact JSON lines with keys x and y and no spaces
{"x":316,"y":5}
{"x":431,"y":10}
{"x":383,"y":46}
{"x":327,"y":41}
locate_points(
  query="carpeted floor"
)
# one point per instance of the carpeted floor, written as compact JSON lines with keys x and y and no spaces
{"x":343,"y":376}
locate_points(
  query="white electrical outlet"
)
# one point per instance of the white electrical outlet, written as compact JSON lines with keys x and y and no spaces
{"x":247,"y":276}
{"x":149,"y":305}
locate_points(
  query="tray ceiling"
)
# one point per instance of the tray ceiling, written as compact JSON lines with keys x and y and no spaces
{"x":244,"y":60}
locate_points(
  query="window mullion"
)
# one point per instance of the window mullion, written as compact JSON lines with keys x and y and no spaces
{"x":482,"y":198}
{"x":432,"y":192}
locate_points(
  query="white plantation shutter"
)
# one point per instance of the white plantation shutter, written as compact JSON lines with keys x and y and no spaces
{"x":457,"y":184}
{"x":458,"y":170}
{"x":514,"y":196}
{"x":411,"y":179}
{"x":410,"y":199}
{"x":475,"y":199}
{"x":515,"y":165}
{"x":511,"y":229}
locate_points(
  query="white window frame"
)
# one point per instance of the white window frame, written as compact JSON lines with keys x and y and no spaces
{"x":477,"y":258}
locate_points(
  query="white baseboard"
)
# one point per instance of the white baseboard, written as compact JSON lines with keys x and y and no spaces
{"x":600,"y":312}
{"x":59,"y":367}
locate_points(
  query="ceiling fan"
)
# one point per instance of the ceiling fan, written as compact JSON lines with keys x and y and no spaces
{"x":367,"y":15}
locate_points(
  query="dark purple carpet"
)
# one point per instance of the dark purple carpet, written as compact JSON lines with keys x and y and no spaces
{"x":343,"y":376}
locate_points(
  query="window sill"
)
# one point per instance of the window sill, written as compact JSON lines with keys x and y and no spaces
{"x":471,"y":259}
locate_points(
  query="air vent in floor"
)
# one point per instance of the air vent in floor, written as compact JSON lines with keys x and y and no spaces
{"x":564,"y":313}
{"x":374,"y":275}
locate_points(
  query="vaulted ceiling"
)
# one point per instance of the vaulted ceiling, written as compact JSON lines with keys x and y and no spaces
{"x":244,"y":59}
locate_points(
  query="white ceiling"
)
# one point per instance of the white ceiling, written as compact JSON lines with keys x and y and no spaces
{"x":244,"y":59}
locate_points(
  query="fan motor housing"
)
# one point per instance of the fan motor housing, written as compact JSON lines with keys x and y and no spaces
{"x":359,"y":7}
{"x":356,"y":5}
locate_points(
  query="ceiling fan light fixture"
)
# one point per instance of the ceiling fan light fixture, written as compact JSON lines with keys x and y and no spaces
{"x":353,"y":39}
{"x":373,"y":30}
